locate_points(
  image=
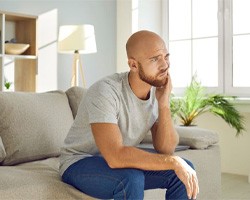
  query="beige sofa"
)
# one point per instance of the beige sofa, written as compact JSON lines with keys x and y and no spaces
{"x":33,"y":127}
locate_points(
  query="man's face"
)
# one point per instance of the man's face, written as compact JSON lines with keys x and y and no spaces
{"x":154,"y":69}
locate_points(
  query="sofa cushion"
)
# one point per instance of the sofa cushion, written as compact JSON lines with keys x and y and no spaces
{"x":38,"y":180}
{"x":194,"y":137}
{"x":2,"y":151}
{"x":33,"y":125}
{"x":75,"y":95}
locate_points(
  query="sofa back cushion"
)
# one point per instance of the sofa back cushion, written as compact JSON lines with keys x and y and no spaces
{"x":75,"y":95}
{"x":33,"y":125}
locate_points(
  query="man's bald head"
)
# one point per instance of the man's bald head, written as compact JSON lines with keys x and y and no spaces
{"x":138,"y":43}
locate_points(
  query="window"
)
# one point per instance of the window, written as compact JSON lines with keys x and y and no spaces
{"x":210,"y":39}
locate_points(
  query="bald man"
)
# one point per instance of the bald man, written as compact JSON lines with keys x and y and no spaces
{"x":100,"y":155}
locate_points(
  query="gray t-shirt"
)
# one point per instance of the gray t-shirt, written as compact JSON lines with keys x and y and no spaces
{"x":109,"y":100}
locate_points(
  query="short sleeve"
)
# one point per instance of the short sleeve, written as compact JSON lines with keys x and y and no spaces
{"x":102,"y":103}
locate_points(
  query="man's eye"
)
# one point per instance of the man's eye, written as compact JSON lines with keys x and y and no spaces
{"x":154,"y":59}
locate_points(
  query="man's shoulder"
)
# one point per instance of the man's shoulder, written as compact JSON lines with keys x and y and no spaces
{"x":111,"y":83}
{"x":105,"y":95}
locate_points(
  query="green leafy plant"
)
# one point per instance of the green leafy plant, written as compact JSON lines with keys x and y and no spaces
{"x":7,"y":84}
{"x":196,"y":102}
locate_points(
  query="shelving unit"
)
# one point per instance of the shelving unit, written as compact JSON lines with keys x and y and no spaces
{"x":19,"y":69}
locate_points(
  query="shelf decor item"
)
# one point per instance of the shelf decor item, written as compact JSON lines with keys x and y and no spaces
{"x":77,"y":39}
{"x":15,"y":48}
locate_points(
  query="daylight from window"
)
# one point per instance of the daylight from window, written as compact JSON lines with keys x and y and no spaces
{"x":241,"y":43}
{"x":193,"y":41}
{"x":210,"y":39}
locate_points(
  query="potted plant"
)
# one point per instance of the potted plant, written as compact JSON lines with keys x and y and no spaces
{"x":196,"y":102}
{"x":7,"y":83}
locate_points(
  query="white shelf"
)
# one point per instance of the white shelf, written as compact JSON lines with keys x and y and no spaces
{"x":19,"y":56}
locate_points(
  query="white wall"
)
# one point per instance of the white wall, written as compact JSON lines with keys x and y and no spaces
{"x":149,"y":18}
{"x":123,"y":31}
{"x":100,"y":13}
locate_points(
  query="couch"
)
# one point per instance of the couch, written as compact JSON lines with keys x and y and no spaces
{"x":32,"y":130}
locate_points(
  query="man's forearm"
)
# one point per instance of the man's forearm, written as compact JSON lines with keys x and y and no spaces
{"x":165,"y":137}
{"x":132,"y":157}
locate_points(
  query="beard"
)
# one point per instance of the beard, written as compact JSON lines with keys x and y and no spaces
{"x":151,"y":80}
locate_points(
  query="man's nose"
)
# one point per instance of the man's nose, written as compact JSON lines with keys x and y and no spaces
{"x":164,"y":64}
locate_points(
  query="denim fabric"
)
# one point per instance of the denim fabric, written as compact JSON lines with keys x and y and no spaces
{"x":95,"y":178}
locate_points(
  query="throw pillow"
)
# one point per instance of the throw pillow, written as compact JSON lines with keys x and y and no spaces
{"x":2,"y":151}
{"x":196,"y":138}
{"x":75,"y":95}
{"x":33,"y":125}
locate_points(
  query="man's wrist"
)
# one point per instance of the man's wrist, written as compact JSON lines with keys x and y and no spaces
{"x":164,"y":109}
{"x":169,"y":160}
{"x":165,"y":113}
{"x":163,"y":106}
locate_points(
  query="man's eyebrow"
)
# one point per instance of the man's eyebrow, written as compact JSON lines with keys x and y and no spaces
{"x":154,"y":56}
{"x":167,"y":54}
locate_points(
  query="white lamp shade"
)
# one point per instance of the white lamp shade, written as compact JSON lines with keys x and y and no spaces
{"x":79,"y":38}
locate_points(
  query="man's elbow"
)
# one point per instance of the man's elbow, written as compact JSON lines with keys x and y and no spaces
{"x":169,"y":151}
{"x":114,"y":161}
{"x":113,"y":164}
{"x":167,"y":148}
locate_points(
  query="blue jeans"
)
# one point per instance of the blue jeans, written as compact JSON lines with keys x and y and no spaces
{"x":95,"y":178}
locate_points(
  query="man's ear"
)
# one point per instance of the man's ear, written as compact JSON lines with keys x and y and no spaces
{"x":132,"y":64}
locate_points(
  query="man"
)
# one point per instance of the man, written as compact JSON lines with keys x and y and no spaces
{"x":100,"y":156}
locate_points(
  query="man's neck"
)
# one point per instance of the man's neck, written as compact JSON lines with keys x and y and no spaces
{"x":140,"y":88}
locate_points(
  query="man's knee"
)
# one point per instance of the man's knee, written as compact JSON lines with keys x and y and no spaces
{"x":131,"y":185}
{"x":134,"y":177}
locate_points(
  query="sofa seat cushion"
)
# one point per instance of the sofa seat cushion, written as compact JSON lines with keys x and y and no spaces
{"x":33,"y":125}
{"x":36,"y":180}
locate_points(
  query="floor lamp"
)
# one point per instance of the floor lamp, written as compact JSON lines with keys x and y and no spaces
{"x":77,"y":39}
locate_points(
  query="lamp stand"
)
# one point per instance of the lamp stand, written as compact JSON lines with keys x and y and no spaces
{"x":77,"y":65}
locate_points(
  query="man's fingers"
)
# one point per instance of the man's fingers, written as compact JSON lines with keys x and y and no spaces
{"x":189,"y":178}
{"x":188,"y":184}
{"x":188,"y":188}
{"x":195,"y":187}
{"x":191,"y":185}
{"x":190,"y":194}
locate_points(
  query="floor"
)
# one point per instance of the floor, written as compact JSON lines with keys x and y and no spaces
{"x":235,"y":187}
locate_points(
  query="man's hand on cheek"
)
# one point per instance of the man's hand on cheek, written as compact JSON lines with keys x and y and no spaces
{"x":163,"y":93}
